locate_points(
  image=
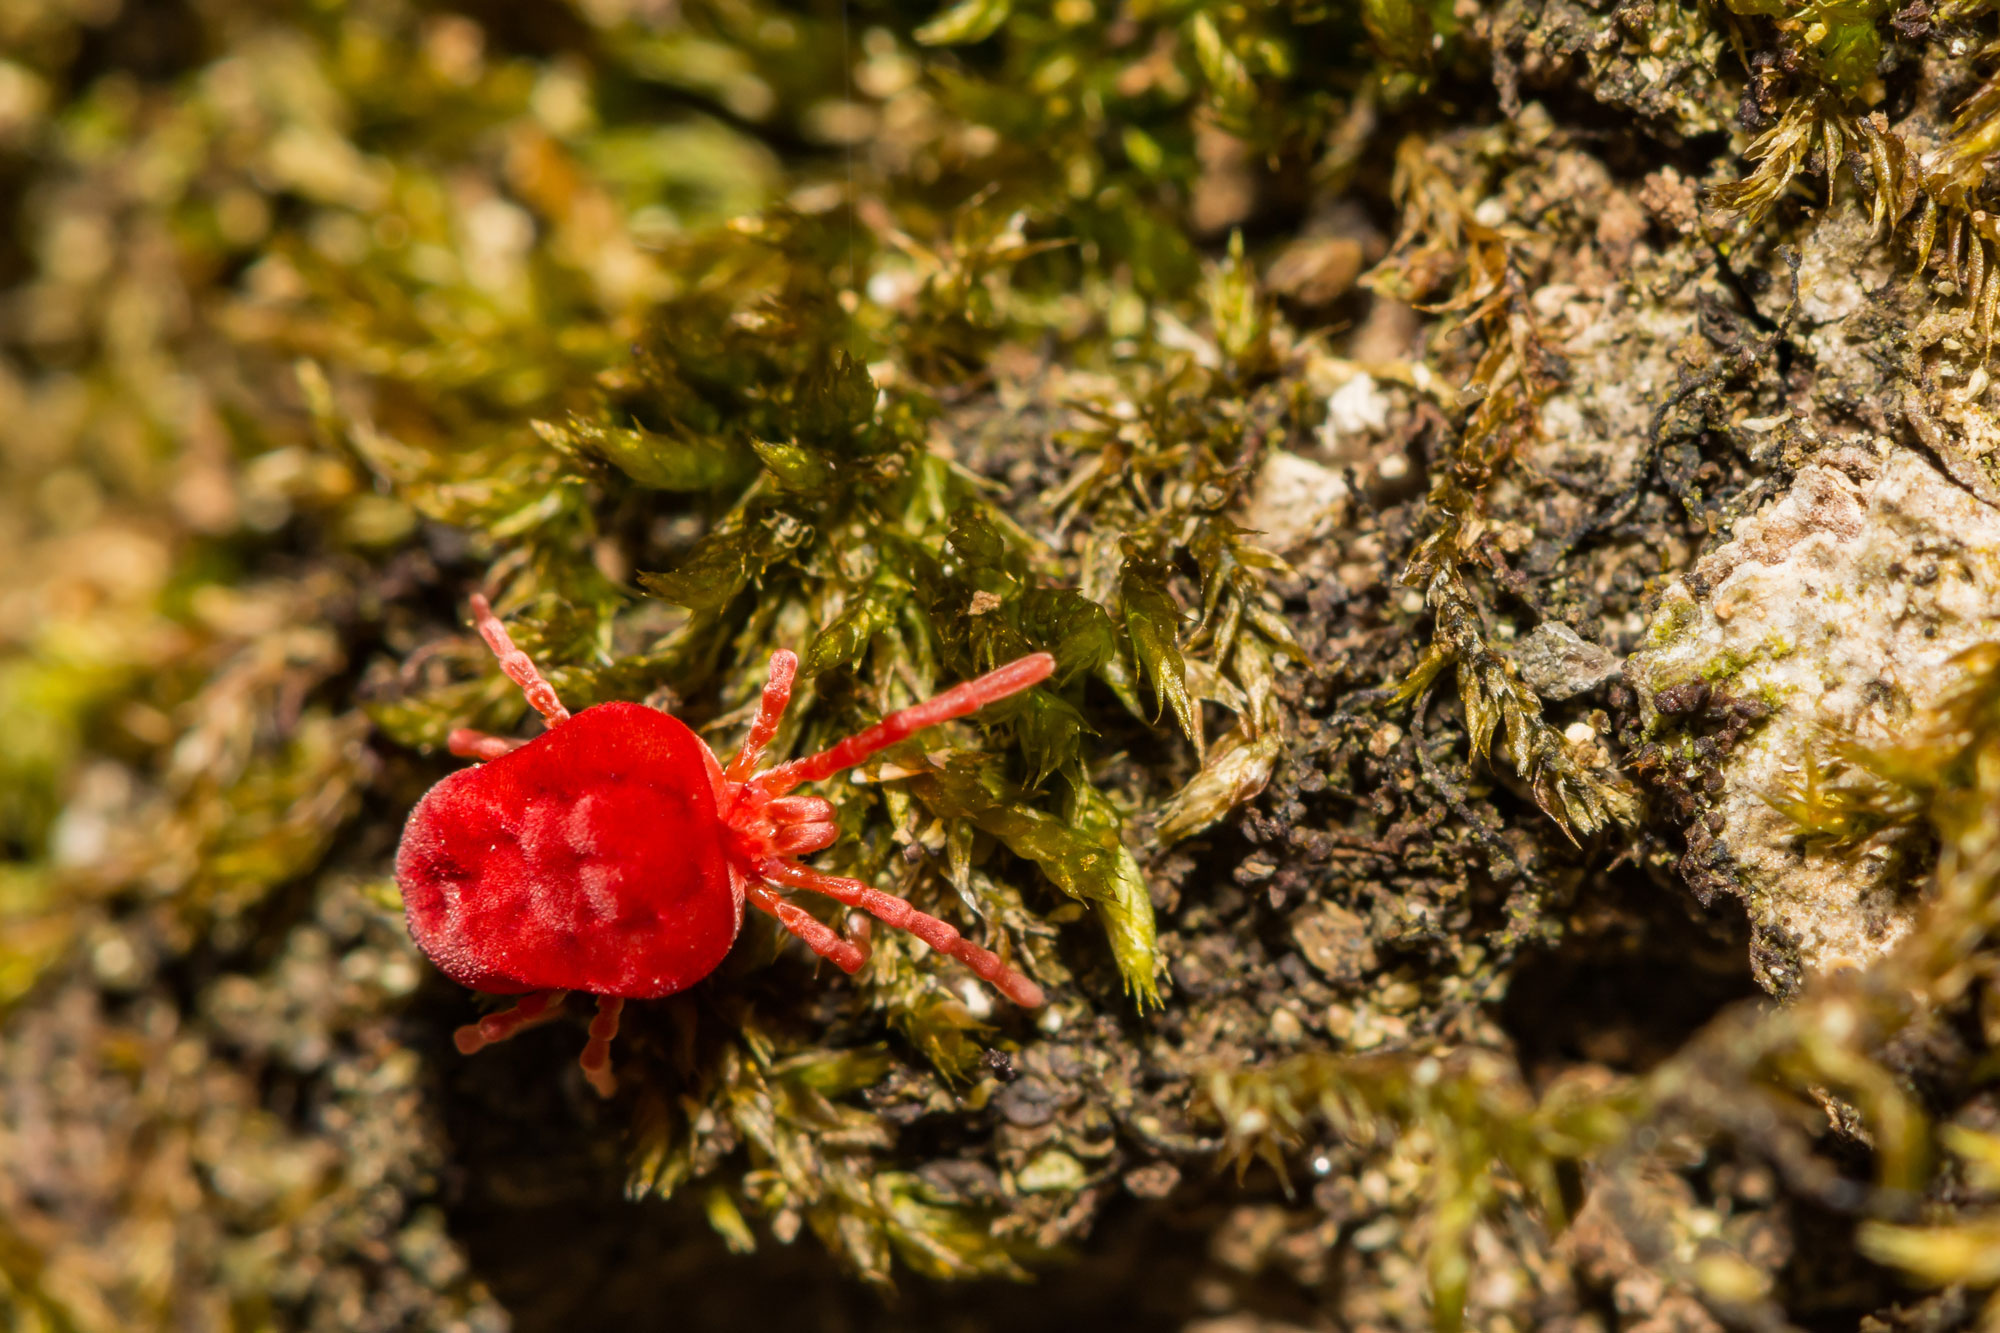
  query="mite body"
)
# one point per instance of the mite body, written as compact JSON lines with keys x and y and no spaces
{"x":614,"y":854}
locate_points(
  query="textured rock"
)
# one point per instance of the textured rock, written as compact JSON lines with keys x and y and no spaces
{"x":1293,"y":501}
{"x":1836,"y":607}
{"x":1558,"y":663}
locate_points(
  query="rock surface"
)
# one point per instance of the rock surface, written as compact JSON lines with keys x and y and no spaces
{"x":1838,"y":607}
{"x":1559,"y":663}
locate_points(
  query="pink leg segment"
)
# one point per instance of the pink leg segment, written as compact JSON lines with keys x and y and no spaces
{"x":846,"y":955}
{"x":799,"y":839}
{"x":969,"y":697}
{"x":532,"y":1011}
{"x":469,"y":744}
{"x":801,"y":810}
{"x":516,"y":664}
{"x":777,"y":695}
{"x":940,"y":935}
{"x":802,"y":824}
{"x":596,"y":1057}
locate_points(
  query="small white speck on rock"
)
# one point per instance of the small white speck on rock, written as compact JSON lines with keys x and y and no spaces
{"x":978,"y":1001}
{"x":1357,"y":407}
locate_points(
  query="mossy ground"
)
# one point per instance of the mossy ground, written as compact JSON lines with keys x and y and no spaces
{"x":1277,"y":368}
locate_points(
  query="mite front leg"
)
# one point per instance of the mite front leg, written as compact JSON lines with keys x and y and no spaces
{"x":469,"y":744}
{"x":847,"y":955}
{"x":770,"y":712}
{"x":957,"y":701}
{"x":517,"y":665}
{"x":887,"y":907}
{"x":531,"y":1011}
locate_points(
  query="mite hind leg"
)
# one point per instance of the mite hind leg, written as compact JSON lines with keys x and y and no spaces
{"x":532,"y":1011}
{"x":848,"y":953}
{"x":596,"y":1058}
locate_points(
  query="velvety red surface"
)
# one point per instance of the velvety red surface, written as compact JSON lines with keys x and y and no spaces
{"x":589,"y":859}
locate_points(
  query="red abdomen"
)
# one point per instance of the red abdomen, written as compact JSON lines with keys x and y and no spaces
{"x":589,"y":859}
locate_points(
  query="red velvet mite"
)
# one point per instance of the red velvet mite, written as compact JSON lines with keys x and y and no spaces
{"x":613,"y":854}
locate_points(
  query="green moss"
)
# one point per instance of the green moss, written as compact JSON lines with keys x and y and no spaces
{"x":1485,"y":1137}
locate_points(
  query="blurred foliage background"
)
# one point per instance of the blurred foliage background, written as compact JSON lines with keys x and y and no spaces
{"x":1232,"y":353}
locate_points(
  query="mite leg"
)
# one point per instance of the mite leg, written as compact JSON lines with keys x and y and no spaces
{"x":847,"y":955}
{"x":516,"y":664}
{"x":596,"y":1057}
{"x":799,"y":839}
{"x":532,"y":1011}
{"x":800,"y":810}
{"x":777,"y":694}
{"x":969,"y":697}
{"x":801,"y":824}
{"x":940,"y":935}
{"x":469,"y":744}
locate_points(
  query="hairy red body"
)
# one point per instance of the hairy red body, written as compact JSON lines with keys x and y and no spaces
{"x":589,"y":859}
{"x":614,"y":854}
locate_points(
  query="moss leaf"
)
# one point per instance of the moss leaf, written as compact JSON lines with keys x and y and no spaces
{"x":1127,"y":911}
{"x":657,"y":462}
{"x":1153,"y":619}
{"x":1075,"y":629}
{"x":1082,"y":855}
{"x":1237,"y":767}
{"x":709,"y":576}
{"x":796,"y":468}
{"x":1233,"y":94}
{"x":844,"y":638}
{"x":1401,"y":31}
{"x":835,"y":401}
{"x":1236,"y":309}
{"x":965,"y":22}
{"x":1050,"y":731}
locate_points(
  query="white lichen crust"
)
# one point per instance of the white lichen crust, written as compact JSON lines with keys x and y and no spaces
{"x":1836,"y":607}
